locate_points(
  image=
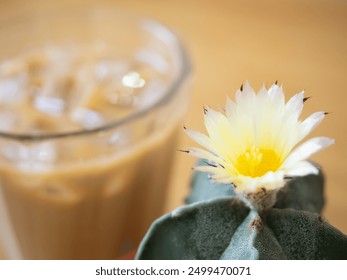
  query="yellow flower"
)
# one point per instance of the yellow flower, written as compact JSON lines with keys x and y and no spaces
{"x":252,"y":144}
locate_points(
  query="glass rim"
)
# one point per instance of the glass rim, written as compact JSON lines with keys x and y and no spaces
{"x":168,"y":94}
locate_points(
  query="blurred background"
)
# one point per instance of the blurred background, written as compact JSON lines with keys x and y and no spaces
{"x":300,"y":43}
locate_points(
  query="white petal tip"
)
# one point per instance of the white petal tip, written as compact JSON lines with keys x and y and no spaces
{"x":302,"y":168}
{"x":326,"y":142}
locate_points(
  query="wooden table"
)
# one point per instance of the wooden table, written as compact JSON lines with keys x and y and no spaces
{"x":302,"y":44}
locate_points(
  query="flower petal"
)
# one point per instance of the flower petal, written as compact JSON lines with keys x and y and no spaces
{"x":225,"y":138}
{"x":295,"y":105}
{"x":230,"y":108}
{"x":262,"y":95}
{"x":222,"y":179}
{"x":201,"y":139}
{"x":246,"y":97}
{"x":270,"y":180}
{"x":203,"y":154}
{"x":307,"y":149}
{"x":212,"y":120}
{"x":310,"y":123}
{"x":302,"y":168}
{"x":216,"y":173}
{"x":276,"y":94}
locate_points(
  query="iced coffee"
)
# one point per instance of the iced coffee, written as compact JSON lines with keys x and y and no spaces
{"x":86,"y":143}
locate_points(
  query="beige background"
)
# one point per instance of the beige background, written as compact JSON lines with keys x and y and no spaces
{"x":302,"y":44}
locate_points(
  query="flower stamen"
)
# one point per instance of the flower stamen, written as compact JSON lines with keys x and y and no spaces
{"x":255,"y":162}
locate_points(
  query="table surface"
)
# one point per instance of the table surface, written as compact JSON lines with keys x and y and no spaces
{"x":302,"y":44}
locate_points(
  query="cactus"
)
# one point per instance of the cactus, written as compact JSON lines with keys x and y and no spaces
{"x":217,"y":224}
{"x":251,"y":149}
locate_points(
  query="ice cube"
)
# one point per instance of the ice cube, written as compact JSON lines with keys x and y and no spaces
{"x":86,"y":118}
{"x":150,"y":94}
{"x":32,"y":156}
{"x":90,"y":97}
{"x":154,"y":60}
{"x":49,"y":105}
{"x":87,"y":94}
{"x":122,"y":98}
{"x":102,"y":70}
{"x":133,"y":80}
{"x":119,"y":138}
{"x":110,"y":69}
{"x":10,"y":89}
{"x":124,"y":93}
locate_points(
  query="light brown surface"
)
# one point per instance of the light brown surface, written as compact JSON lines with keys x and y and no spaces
{"x":303,"y":44}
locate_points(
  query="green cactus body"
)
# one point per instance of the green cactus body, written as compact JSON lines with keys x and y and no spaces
{"x":217,"y":224}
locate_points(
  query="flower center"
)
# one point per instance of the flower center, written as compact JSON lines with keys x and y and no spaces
{"x":255,"y":162}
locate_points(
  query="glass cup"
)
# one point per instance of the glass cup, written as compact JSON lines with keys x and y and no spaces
{"x":90,"y":102}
